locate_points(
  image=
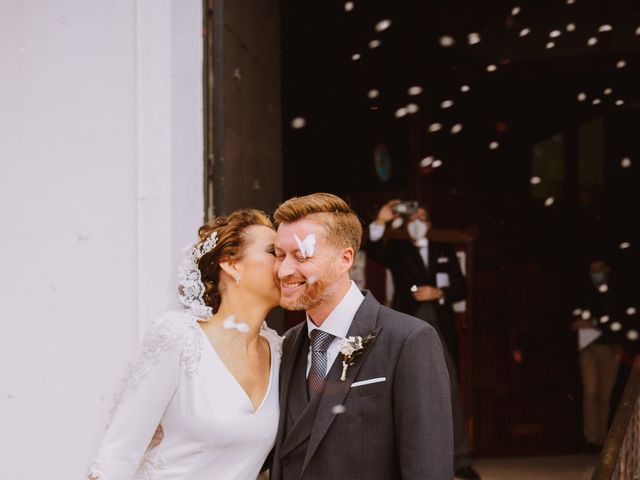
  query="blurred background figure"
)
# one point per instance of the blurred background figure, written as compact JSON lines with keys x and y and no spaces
{"x":427,"y":281}
{"x":600,"y":351}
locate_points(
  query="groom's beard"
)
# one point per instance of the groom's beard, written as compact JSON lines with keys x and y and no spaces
{"x":314,"y":294}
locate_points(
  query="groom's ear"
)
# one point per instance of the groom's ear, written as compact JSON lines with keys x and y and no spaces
{"x":347,"y":258}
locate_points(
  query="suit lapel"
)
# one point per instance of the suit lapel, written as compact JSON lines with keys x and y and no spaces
{"x":335,"y":390}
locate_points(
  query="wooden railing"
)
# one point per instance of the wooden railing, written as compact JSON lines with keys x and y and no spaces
{"x":620,"y":457}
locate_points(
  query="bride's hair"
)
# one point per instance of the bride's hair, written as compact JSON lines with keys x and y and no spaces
{"x":229,"y":247}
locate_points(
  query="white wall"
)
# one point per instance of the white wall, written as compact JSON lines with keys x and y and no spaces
{"x":100,"y":185}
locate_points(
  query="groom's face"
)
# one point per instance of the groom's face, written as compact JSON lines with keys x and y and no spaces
{"x":305,"y":280}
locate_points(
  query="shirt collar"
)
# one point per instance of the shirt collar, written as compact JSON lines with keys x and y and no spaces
{"x":340,"y":318}
{"x":423,"y":242}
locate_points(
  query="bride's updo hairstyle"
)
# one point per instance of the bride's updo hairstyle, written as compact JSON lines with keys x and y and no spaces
{"x":230,"y":246}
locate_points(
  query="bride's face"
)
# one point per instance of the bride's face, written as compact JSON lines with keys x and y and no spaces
{"x":256,"y":266}
{"x":308,"y":277}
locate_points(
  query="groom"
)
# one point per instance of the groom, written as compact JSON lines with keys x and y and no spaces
{"x":377,"y":409}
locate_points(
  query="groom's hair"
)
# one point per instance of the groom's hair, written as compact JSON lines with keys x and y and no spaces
{"x":342,"y":225}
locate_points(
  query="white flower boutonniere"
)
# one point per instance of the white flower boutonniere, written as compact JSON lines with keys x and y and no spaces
{"x":351,"y":348}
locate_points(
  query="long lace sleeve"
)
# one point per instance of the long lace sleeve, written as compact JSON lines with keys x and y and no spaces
{"x":146,"y":390}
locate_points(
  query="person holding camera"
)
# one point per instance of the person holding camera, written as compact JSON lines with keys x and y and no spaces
{"x":427,"y":281}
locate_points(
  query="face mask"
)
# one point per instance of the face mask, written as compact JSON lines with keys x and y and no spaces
{"x":598,"y":278}
{"x":417,"y":229}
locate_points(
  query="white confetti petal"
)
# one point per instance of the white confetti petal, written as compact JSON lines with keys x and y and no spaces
{"x":425,"y":162}
{"x":491,"y":68}
{"x":550,"y":45}
{"x":494,"y":145}
{"x":437,"y":163}
{"x":412,"y":108}
{"x":311,"y":280}
{"x":446,"y":104}
{"x":630,"y":311}
{"x":555,"y":33}
{"x":230,"y":323}
{"x":515,"y":11}
{"x":355,"y":57}
{"x":577,"y":311}
{"x":414,"y":288}
{"x":571,"y":2}
{"x":375,"y":43}
{"x":465,"y":88}
{"x":592,"y":41}
{"x":596,"y":101}
{"x":435,"y":127}
{"x":621,"y":64}
{"x":348,"y":6}
{"x":608,"y":91}
{"x":638,"y":31}
{"x":401,"y":112}
{"x":619,"y":103}
{"x":382,"y":25}
{"x":457,"y":128}
{"x":604,"y":319}
{"x":447,"y":41}
{"x":605,"y":28}
{"x":624,"y":245}
{"x":582,"y":97}
{"x":415,"y":90}
{"x":604,"y":288}
{"x":571,"y":27}
{"x":338,"y":409}
{"x":586,"y":315}
{"x":524,"y":32}
{"x":549,"y":201}
{"x":616,"y":327}
{"x":473,"y":38}
{"x":535,"y":180}
{"x":307,"y":247}
{"x":625,"y":162}
{"x":298,"y":123}
{"x":373,"y":93}
{"x":632,"y":335}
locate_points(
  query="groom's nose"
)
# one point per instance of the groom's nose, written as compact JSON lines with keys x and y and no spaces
{"x":286,"y":268}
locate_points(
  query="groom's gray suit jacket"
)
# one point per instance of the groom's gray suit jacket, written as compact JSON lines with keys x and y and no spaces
{"x":396,"y":428}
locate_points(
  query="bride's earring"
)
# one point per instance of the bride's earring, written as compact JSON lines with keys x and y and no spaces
{"x":237,"y":277}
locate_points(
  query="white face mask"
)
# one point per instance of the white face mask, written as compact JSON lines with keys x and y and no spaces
{"x":417,"y":229}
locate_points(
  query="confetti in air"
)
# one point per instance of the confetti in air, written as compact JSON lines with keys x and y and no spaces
{"x":605,"y":28}
{"x":550,"y":45}
{"x":515,"y":11}
{"x":435,"y":127}
{"x":375,"y":43}
{"x":348,"y":6}
{"x":338,"y":409}
{"x":446,"y":104}
{"x":616,"y":327}
{"x":571,"y":2}
{"x":427,"y":161}
{"x":535,"y":180}
{"x":373,"y":93}
{"x":524,"y":32}
{"x":307,"y":246}
{"x":621,"y":64}
{"x":632,"y":335}
{"x":401,"y":112}
{"x":619,"y":103}
{"x":412,"y":108}
{"x":491,"y":68}
{"x":592,"y":41}
{"x":604,"y":319}
{"x":298,"y":123}
{"x":596,"y":101}
{"x":608,"y":91}
{"x":625,"y":162}
{"x":355,"y":57}
{"x":571,"y":27}
{"x":414,"y":288}
{"x":437,"y":163}
{"x":577,"y":311}
{"x":555,"y":34}
{"x":465,"y":88}
{"x":473,"y":38}
{"x":230,"y":323}
{"x":585,"y":315}
{"x":494,"y":145}
{"x":382,"y":25}
{"x":447,"y":41}
{"x":457,"y":128}
{"x":549,"y":201}
{"x":604,"y":288}
{"x":630,"y":311}
{"x":415,"y":90}
{"x":582,"y":97}
{"x":625,"y":245}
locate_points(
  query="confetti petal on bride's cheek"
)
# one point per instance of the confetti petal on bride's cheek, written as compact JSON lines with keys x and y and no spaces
{"x":338,"y":409}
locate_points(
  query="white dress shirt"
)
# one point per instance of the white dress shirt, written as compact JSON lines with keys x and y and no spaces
{"x":337,"y":323}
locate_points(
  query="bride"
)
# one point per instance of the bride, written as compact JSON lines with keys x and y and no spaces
{"x":207,"y":374}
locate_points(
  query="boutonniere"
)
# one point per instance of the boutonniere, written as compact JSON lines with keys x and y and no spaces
{"x":351,"y":348}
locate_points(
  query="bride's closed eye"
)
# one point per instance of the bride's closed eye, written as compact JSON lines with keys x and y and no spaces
{"x":271,"y":250}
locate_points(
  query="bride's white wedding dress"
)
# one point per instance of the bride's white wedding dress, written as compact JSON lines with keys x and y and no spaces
{"x":211,"y":430}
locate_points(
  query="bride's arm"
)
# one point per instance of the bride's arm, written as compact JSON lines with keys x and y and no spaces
{"x":146,"y":391}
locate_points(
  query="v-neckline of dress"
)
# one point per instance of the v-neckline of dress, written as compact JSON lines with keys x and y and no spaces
{"x":254,"y":410}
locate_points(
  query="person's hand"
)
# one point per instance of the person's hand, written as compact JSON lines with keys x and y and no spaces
{"x":386,"y":213}
{"x":581,"y":323}
{"x":427,"y":293}
{"x":157,"y":437}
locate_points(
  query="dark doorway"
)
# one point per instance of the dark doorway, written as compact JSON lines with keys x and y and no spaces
{"x":521,"y":128}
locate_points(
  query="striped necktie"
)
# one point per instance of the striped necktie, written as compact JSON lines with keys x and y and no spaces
{"x":320,"y":342}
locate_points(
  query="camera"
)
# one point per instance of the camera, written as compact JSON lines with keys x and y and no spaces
{"x":406,"y":208}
